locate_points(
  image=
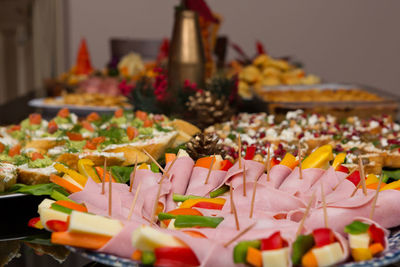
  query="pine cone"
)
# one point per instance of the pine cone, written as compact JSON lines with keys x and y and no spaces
{"x":203,"y":145}
{"x":208,"y":108}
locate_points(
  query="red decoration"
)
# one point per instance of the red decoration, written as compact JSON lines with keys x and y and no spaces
{"x":83,"y":64}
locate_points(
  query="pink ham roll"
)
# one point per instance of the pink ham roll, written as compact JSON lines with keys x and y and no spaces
{"x":197,"y":184}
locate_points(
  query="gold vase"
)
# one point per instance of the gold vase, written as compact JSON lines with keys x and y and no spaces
{"x":186,"y":56}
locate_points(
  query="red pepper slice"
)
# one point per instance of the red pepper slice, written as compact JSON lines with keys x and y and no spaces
{"x":98,"y":140}
{"x":119,"y":113}
{"x":354,"y":178}
{"x":376,"y":234}
{"x":132,"y":132}
{"x":35,"y":118}
{"x":87,"y":126}
{"x":342,"y":168}
{"x":93,"y":117}
{"x":63,"y":113}
{"x":36,"y":155}
{"x":250,"y":152}
{"x":226,"y":165}
{"x":275,"y":241}
{"x":57,"y":226}
{"x":2,"y":147}
{"x":177,"y":256}
{"x":274,"y":162}
{"x":32,"y":222}
{"x":323,"y":237}
{"x":208,"y":205}
{"x":15,"y":150}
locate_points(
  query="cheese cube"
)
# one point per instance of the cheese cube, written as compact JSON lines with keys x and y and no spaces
{"x":82,"y":222}
{"x":275,"y":257}
{"x":47,"y":214}
{"x":359,"y":241}
{"x":45,"y":204}
{"x":329,"y":254}
{"x":146,"y":238}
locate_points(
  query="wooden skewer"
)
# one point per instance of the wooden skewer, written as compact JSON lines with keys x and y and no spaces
{"x":133,"y":175}
{"x":268,"y":163}
{"x":362,"y":176}
{"x":305,"y":215}
{"x":355,"y":189}
{"x":253,"y":197}
{"x":371,"y":215}
{"x":172,"y":164}
{"x":230,"y":195}
{"x":244,"y":179}
{"x":210,"y":169}
{"x":153,"y":215}
{"x":324,"y":206}
{"x":134,"y":201}
{"x":109,"y":196}
{"x":234,"y":211}
{"x":300,"y":156}
{"x":103,"y":190}
{"x":152,"y":159}
{"x":240,"y":151}
{"x":341,"y":181}
{"x":248,"y":228}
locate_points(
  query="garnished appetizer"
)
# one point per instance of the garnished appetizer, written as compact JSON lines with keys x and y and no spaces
{"x":366,"y":239}
{"x":322,"y":247}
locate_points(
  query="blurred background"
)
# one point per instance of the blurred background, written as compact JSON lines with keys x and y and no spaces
{"x":341,"y":41}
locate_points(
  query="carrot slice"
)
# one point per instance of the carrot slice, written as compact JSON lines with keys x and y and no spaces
{"x":64,"y":183}
{"x":100,"y":173}
{"x":87,"y":241}
{"x":204,"y":162}
{"x":375,"y":186}
{"x":71,"y":205}
{"x":376,"y":248}
{"x":169,"y":157}
{"x":136,"y":255}
{"x":254,"y":257}
{"x":194,"y":234}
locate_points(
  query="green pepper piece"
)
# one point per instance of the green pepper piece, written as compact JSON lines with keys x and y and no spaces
{"x":181,"y":198}
{"x":148,"y":257}
{"x":154,"y":168}
{"x":182,"y":221}
{"x":240,"y":250}
{"x":302,"y":244}
{"x":59,"y":196}
{"x":219,"y":191}
{"x":60,"y":208}
{"x":395,"y":174}
{"x":165,"y":216}
{"x":356,"y":228}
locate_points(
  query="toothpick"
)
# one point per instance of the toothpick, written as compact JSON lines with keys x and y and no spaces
{"x":371,"y":215}
{"x":300,"y":156}
{"x":240,"y":151}
{"x":109,"y":196}
{"x":230,"y":195}
{"x":362,"y":176}
{"x":210,"y":169}
{"x":268,"y":163}
{"x":172,"y":164}
{"x":324,"y":205}
{"x":244,"y":179}
{"x":248,"y":228}
{"x":305,"y":215}
{"x":253,"y":197}
{"x":134,"y":201}
{"x":341,"y":181}
{"x":103,"y":190}
{"x":133,"y":175}
{"x":355,"y":189}
{"x":155,"y":161}
{"x":233,"y":207}
{"x":157,"y":198}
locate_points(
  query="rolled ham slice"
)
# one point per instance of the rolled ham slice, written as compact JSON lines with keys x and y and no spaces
{"x":181,"y":172}
{"x":196,"y":184}
{"x":295,"y":186}
{"x":254,"y":170}
{"x":385,"y":231}
{"x":278,"y":174}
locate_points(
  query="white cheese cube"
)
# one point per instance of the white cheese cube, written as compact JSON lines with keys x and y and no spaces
{"x":82,"y":222}
{"x":47,"y":214}
{"x":146,"y":238}
{"x":275,"y":257}
{"x":359,"y":241}
{"x":328,"y":255}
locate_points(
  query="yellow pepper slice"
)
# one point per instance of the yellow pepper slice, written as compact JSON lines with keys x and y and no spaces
{"x":144,"y":166}
{"x":392,"y":185}
{"x":192,"y":202}
{"x":361,"y":254}
{"x":371,"y":179}
{"x":339,"y":159}
{"x":79,"y":178}
{"x":85,"y":167}
{"x":289,"y":160}
{"x":319,"y":158}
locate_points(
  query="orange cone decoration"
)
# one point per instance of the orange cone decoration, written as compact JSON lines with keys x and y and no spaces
{"x":83,"y":65}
